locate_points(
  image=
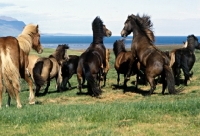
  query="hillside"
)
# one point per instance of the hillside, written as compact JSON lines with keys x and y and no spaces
{"x":10,"y":26}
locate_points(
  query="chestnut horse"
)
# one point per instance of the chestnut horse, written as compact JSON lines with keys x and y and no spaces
{"x":14,"y":61}
{"x":155,"y":62}
{"x":122,"y":61}
{"x":93,"y":60}
{"x":184,"y":58}
{"x":106,"y":69}
{"x":46,"y":69}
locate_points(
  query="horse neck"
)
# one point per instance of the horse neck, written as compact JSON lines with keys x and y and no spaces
{"x":97,"y":37}
{"x":25,"y":43}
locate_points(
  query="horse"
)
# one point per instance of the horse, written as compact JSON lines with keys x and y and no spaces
{"x":68,"y":69}
{"x":106,"y":69}
{"x":47,"y":68}
{"x":14,"y":61}
{"x":32,"y":59}
{"x":122,"y":60}
{"x":93,"y":60}
{"x":184,"y":58}
{"x":155,"y":62}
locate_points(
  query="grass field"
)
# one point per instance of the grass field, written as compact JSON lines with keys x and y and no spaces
{"x":115,"y":114}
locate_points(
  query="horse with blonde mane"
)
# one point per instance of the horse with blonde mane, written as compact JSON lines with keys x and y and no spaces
{"x":14,"y":62}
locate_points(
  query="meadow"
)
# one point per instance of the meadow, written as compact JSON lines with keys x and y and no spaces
{"x":115,"y":114}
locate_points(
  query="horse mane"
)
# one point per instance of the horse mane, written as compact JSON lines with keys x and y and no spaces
{"x":145,"y":26}
{"x":59,"y":53}
{"x":25,"y":38}
{"x":190,"y":42}
{"x":118,"y":47}
{"x":98,"y":33}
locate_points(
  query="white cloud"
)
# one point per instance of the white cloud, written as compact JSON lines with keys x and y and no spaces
{"x":76,"y":16}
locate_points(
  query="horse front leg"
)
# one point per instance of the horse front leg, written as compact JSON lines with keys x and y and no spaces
{"x":1,"y":91}
{"x":79,"y":77}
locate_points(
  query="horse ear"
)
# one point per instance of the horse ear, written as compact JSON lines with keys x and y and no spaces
{"x":37,"y":26}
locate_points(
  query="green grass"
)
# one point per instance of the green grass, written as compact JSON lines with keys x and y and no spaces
{"x":116,"y":113}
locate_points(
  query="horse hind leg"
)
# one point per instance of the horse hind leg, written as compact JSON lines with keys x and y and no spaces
{"x":152,"y":84}
{"x":31,"y":92}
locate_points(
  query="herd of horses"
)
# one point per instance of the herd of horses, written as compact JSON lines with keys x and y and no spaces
{"x":144,"y":60}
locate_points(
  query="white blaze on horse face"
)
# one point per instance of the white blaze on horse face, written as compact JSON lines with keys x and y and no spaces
{"x":185,"y":45}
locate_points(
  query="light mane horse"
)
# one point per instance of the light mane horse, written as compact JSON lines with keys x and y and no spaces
{"x":14,"y":61}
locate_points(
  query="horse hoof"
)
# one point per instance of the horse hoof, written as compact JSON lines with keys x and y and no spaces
{"x":32,"y":103}
{"x":19,"y":106}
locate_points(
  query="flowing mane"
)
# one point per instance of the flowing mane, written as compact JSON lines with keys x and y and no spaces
{"x":25,"y":39}
{"x":118,"y":47}
{"x":98,"y":32}
{"x":145,"y":26}
{"x":59,"y":53}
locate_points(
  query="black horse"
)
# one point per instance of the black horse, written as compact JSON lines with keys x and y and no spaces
{"x":184,"y":58}
{"x":68,"y":69}
{"x":155,"y":62}
{"x":93,"y":60}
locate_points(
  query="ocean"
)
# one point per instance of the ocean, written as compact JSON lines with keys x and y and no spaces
{"x":82,"y":42}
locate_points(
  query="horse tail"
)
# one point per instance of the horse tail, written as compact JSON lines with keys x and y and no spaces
{"x":170,"y":79}
{"x":91,"y":81}
{"x":37,"y":70}
{"x":10,"y":73}
{"x":172,"y":58}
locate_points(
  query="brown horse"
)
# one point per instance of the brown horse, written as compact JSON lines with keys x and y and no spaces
{"x":93,"y":60}
{"x":122,"y":61}
{"x":46,"y":69}
{"x":14,"y":61}
{"x":106,"y":69}
{"x":155,"y":62}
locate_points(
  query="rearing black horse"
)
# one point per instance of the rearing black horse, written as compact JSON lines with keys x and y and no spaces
{"x":155,"y":62}
{"x":93,"y":60}
{"x":184,"y":58}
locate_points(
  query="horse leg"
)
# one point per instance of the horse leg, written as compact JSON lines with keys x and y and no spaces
{"x":31,"y":92}
{"x":48,"y":84}
{"x":79,"y":77}
{"x":69,"y":85}
{"x":17,"y":98}
{"x":164,"y":83}
{"x":104,"y":84}
{"x":125,"y":81}
{"x":1,"y":90}
{"x":118,"y":79}
{"x":152,"y":84}
{"x":8,"y":101}
{"x":37,"y":89}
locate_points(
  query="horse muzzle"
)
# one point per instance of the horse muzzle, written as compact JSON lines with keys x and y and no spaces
{"x":123,"y":34}
{"x":40,"y":51}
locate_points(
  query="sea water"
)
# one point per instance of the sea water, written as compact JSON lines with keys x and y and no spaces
{"x":82,"y":42}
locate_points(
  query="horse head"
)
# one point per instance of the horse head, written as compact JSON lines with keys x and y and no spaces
{"x":107,"y":32}
{"x":118,"y":47}
{"x":127,"y":26}
{"x":33,"y":31}
{"x":193,"y":42}
{"x":60,"y":52}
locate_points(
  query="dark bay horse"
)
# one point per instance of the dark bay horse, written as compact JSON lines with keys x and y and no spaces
{"x":68,"y":69}
{"x":47,"y":68}
{"x":184,"y":58}
{"x":122,"y":61}
{"x":155,"y":62}
{"x":14,"y":62}
{"x":93,"y":60}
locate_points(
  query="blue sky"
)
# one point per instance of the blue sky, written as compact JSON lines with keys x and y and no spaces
{"x":169,"y":17}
